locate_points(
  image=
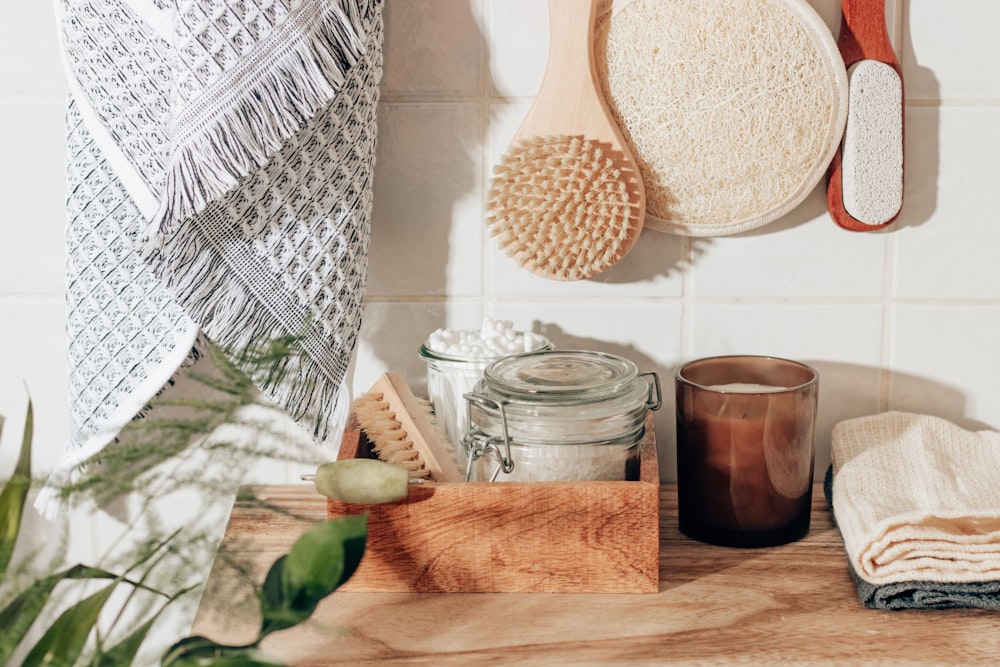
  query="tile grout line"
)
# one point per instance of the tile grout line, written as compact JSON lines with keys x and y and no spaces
{"x":486,"y":296}
{"x":888,"y":323}
{"x":894,"y":28}
{"x":822,"y":301}
{"x":8,"y":98}
{"x":27,"y":297}
{"x":687,"y":251}
{"x":889,"y":256}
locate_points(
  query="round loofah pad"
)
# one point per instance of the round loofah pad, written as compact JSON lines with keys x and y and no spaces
{"x":560,"y":207}
{"x":733,"y":109}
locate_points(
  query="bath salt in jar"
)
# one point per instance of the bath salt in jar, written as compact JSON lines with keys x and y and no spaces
{"x":559,"y":416}
{"x":455,"y":360}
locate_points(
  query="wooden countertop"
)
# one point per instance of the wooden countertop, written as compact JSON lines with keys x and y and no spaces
{"x":793,"y":604}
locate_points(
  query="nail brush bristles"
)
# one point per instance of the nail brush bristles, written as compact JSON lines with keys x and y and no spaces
{"x":403,"y":432}
{"x":389,"y":440}
{"x":561,"y":208}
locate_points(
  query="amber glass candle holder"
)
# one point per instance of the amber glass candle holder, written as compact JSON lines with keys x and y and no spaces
{"x":745,"y":449}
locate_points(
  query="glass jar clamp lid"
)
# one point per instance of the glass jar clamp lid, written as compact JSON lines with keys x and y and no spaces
{"x":559,"y":415}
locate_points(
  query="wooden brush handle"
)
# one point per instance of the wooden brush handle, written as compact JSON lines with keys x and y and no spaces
{"x":418,"y":426}
{"x":863,"y":35}
{"x":569,"y":100}
{"x":571,"y":29}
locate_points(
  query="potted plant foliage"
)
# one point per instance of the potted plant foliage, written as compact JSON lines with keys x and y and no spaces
{"x":320,"y":560}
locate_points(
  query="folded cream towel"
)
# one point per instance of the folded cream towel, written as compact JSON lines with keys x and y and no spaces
{"x":917,"y":498}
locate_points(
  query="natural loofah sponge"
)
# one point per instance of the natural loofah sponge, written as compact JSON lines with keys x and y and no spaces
{"x":732,"y":108}
{"x":560,"y":207}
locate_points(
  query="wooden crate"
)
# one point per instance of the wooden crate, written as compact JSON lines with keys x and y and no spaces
{"x":481,"y":537}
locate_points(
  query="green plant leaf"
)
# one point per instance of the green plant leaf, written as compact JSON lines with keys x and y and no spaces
{"x":198,"y":651}
{"x":124,"y":652}
{"x":322,"y":559}
{"x":272,"y":597}
{"x":63,"y":642}
{"x":20,"y":613}
{"x":14,"y":494}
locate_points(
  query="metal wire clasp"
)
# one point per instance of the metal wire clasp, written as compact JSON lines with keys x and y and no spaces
{"x":477,"y":444}
{"x":655,"y":396}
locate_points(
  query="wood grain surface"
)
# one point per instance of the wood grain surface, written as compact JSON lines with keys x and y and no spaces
{"x":569,"y":100}
{"x":512,"y":537}
{"x":793,"y":604}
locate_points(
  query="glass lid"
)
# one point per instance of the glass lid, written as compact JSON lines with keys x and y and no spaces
{"x":560,"y":375}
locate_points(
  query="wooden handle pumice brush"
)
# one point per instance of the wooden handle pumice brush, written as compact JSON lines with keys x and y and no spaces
{"x":865,"y":189}
{"x":402,"y":432}
{"x":566,"y":200}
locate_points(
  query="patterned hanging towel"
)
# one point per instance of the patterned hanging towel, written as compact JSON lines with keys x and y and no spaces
{"x":220,"y":159}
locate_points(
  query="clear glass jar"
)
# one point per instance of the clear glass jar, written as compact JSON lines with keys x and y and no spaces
{"x":558,"y":415}
{"x":449,"y":379}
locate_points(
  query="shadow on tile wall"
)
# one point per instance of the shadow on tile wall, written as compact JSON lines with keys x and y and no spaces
{"x":848,"y":390}
{"x":920,"y":198}
{"x":656,"y":255}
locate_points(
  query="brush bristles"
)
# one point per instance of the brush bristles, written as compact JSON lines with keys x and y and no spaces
{"x":561,"y":208}
{"x":389,"y":440}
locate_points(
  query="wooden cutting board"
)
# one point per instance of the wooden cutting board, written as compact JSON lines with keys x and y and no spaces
{"x":793,"y":604}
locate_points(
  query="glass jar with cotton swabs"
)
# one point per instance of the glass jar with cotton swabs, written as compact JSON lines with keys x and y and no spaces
{"x":456,"y":359}
{"x":558,"y":416}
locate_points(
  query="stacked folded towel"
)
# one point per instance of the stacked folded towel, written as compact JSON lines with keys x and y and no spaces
{"x":917,"y":501}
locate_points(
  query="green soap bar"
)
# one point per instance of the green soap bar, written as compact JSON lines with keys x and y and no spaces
{"x":362,"y":481}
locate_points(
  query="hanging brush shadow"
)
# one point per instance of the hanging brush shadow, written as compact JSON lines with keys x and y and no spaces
{"x":921,"y":133}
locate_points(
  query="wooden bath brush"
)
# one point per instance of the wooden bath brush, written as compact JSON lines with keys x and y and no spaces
{"x":566,"y":200}
{"x":733,"y":109}
{"x":865,"y":189}
{"x":402,"y":430}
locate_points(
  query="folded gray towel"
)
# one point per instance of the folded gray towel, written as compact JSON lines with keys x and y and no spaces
{"x":919,"y":594}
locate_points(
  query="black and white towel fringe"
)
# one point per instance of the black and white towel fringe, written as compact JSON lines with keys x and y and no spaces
{"x":220,"y":163}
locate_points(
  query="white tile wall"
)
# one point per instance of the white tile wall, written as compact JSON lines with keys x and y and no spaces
{"x":31,"y":260}
{"x":944,"y":361}
{"x":28,"y":50}
{"x":944,"y":248}
{"x":429,"y":178}
{"x":433,"y":48}
{"x":32,"y":364}
{"x":518,"y":46}
{"x":948,"y":49}
{"x":905,"y":319}
{"x":799,"y":256}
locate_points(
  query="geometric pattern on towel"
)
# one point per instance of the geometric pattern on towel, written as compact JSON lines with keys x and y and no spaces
{"x":220,"y":168}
